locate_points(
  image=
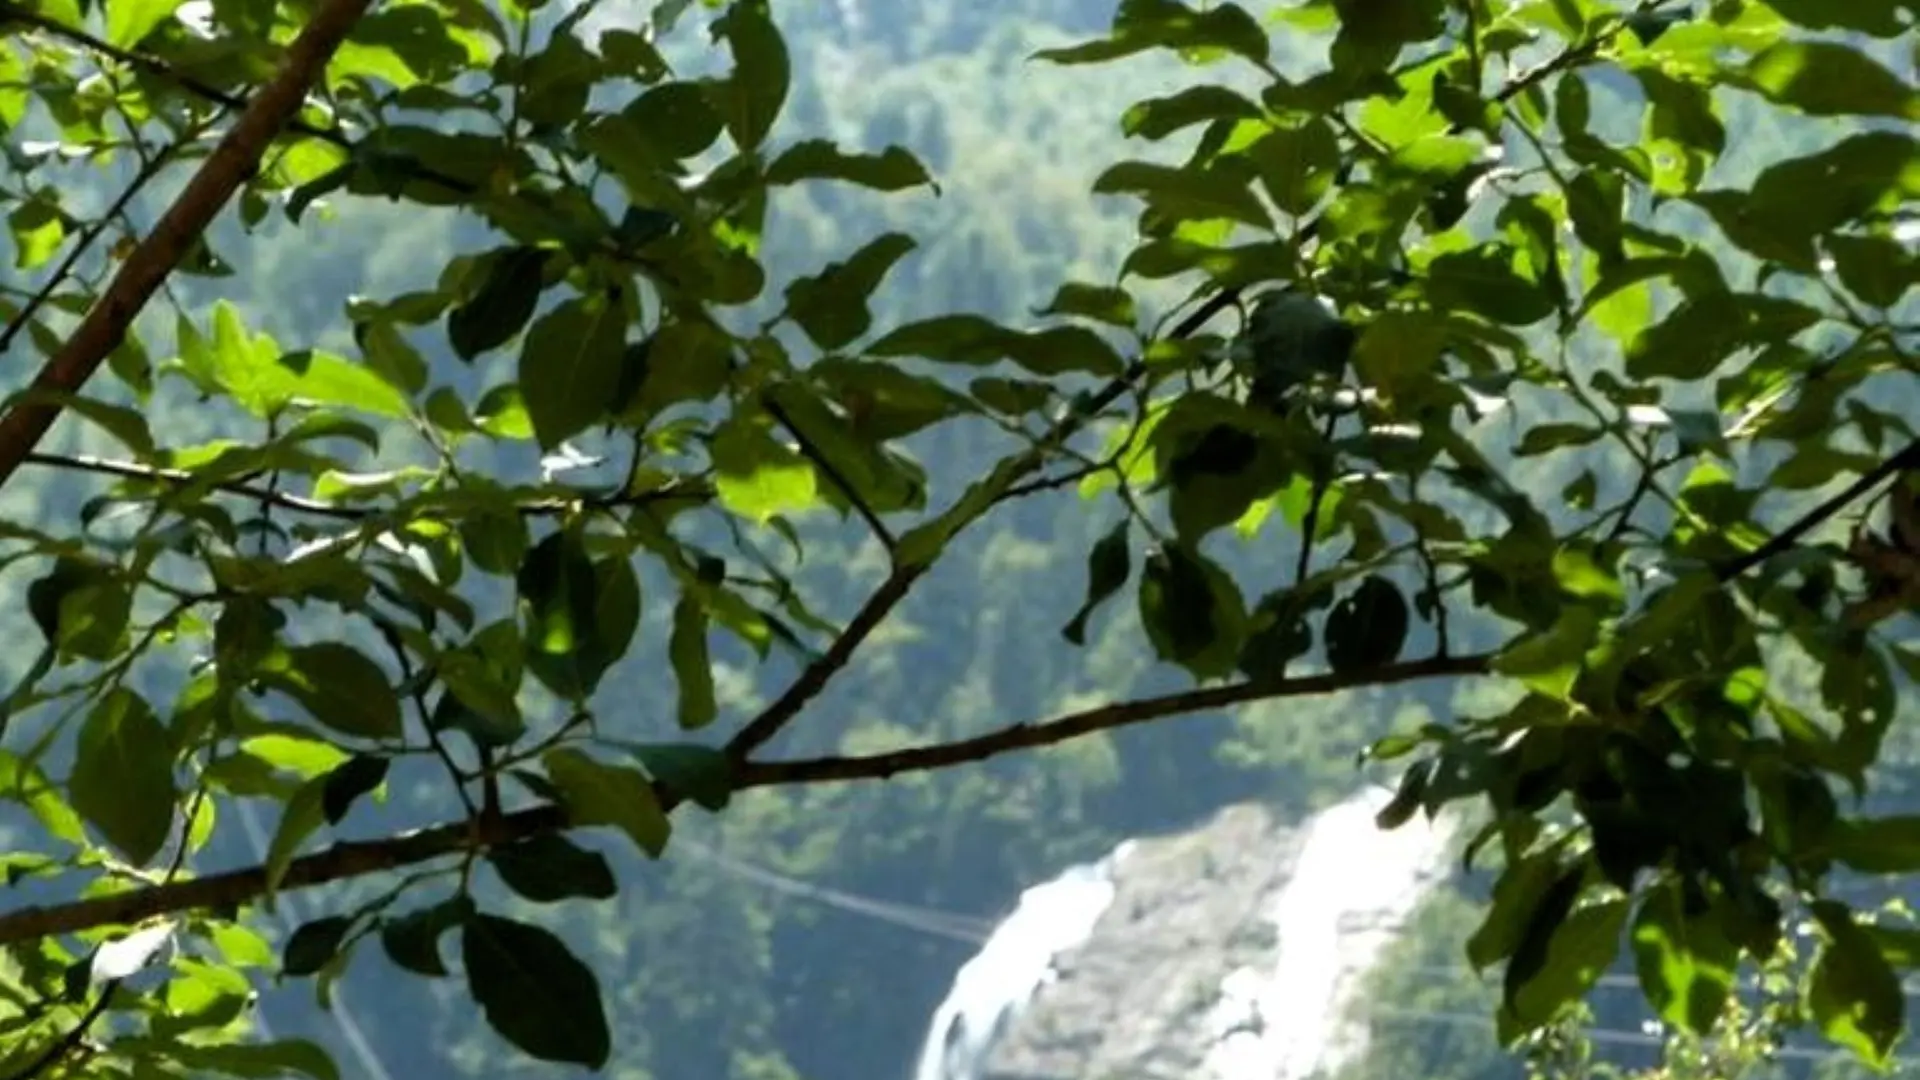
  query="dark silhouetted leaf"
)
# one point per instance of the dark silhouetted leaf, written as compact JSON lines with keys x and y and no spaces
{"x":122,"y":779}
{"x":310,"y":947}
{"x":503,"y":304}
{"x":353,"y":778}
{"x":550,"y":867}
{"x":535,"y":992}
{"x":1368,"y":627}
{"x":1109,"y":563}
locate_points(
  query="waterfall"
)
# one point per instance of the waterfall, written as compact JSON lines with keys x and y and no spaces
{"x":1015,"y":961}
{"x":1352,"y":886}
{"x":1285,"y":1016}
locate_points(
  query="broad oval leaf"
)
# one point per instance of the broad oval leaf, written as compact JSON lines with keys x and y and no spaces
{"x":597,"y":793}
{"x":535,"y":992}
{"x":122,"y":780}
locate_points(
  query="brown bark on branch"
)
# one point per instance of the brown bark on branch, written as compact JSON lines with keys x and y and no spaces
{"x":1103,"y":718}
{"x":359,"y":858}
{"x":231,"y":163}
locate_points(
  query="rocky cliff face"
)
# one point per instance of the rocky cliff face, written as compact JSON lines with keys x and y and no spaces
{"x":1226,"y":953}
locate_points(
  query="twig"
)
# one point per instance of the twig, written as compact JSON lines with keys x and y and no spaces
{"x":1908,"y":458}
{"x":1103,"y":718}
{"x":820,"y":461}
{"x":1322,"y":480}
{"x":131,"y":470}
{"x":235,"y":159}
{"x":21,"y":320}
{"x":73,"y":1037}
{"x":901,"y":580}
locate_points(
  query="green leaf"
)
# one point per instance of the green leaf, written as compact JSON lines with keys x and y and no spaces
{"x":1189,"y":194}
{"x":1368,"y":627}
{"x":1699,"y":334}
{"x":597,"y":793}
{"x":534,"y":992}
{"x":1549,"y":660}
{"x":264,"y":381}
{"x":549,"y":867}
{"x":571,"y":366}
{"x":1685,"y":960}
{"x":1193,"y":614}
{"x":1852,"y":993}
{"x":1104,"y":303}
{"x":257,"y":1059}
{"x":700,"y":773}
{"x":692,"y":667}
{"x":1885,"y":845}
{"x":1542,"y":438}
{"x":1297,"y":165}
{"x":25,"y":783}
{"x":831,"y":306}
{"x":1157,"y":118}
{"x":1577,"y":951}
{"x":977,"y":341}
{"x":757,"y":88}
{"x":412,"y":941}
{"x":353,"y":778}
{"x":1398,"y":349}
{"x":1165,"y":24}
{"x":390,"y":355}
{"x":893,"y":169}
{"x":1881,"y":18}
{"x":556,"y":81}
{"x":340,"y":686}
{"x":502,"y":414}
{"x":1876,"y":269}
{"x":1826,"y":78}
{"x":1486,"y":282}
{"x":302,"y":816}
{"x":81,"y":608}
{"x":1109,"y":564}
{"x":122,"y":780}
{"x":757,"y":477}
{"x":310,"y":947}
{"x":502,"y":305}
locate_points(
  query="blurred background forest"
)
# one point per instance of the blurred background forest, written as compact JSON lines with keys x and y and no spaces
{"x":812,"y":932}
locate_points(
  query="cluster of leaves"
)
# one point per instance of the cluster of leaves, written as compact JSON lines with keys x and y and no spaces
{"x":1429,"y":233}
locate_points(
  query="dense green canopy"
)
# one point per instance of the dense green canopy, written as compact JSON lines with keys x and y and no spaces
{"x":1399,"y":274}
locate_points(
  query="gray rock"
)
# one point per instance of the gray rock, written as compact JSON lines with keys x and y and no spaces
{"x":1136,"y":1001}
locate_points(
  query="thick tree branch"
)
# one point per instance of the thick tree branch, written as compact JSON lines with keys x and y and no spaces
{"x":359,"y":858}
{"x":344,"y":860}
{"x":1104,"y":718}
{"x":236,"y":158}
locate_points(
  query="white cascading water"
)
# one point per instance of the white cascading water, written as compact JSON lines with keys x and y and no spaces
{"x":1016,"y":961}
{"x":1352,"y":884}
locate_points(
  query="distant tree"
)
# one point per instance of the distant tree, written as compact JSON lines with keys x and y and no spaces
{"x":1455,"y":386}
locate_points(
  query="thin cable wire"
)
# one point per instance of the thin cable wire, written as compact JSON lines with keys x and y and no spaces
{"x":969,"y":929}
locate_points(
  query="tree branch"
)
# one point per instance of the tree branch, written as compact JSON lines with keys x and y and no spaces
{"x":133,"y":470}
{"x":813,"y":453}
{"x":235,"y":159}
{"x":149,"y":169}
{"x":1908,"y":458}
{"x":1104,"y":718}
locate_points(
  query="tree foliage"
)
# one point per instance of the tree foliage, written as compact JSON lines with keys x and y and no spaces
{"x":1362,"y":296}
